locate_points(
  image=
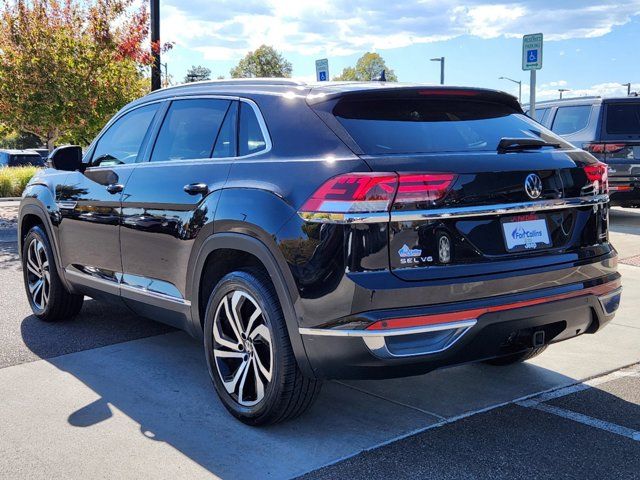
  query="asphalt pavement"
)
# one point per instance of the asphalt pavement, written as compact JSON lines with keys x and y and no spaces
{"x":112,"y":395}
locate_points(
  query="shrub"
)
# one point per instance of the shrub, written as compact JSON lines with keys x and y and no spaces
{"x":13,"y":180}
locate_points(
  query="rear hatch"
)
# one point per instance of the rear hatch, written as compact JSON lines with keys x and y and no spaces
{"x":480,"y":186}
{"x":619,"y":143}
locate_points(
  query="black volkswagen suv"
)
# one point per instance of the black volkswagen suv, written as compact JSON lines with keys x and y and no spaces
{"x":341,"y":230}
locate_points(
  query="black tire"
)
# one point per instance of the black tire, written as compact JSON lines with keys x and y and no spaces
{"x":58,"y":304}
{"x":517,"y":357}
{"x":287,"y":393}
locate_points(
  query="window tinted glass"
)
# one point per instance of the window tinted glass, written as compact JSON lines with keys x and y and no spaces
{"x":190,"y":129}
{"x":121,"y":143}
{"x":541,"y":114}
{"x":389,"y":126}
{"x":623,"y":118}
{"x":250,"y":138}
{"x":20,"y":160}
{"x":226,"y":141}
{"x":571,"y":119}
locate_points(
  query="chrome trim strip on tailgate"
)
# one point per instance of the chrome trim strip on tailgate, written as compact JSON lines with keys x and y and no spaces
{"x":456,"y":212}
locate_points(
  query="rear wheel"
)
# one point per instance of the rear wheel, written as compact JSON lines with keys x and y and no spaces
{"x":49,"y":299}
{"x":517,"y":357}
{"x":250,"y":358}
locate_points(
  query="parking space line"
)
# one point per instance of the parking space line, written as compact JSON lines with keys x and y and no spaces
{"x":589,"y":421}
{"x":538,"y":403}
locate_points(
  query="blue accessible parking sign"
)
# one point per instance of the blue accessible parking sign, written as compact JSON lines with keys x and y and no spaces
{"x":532,"y":56}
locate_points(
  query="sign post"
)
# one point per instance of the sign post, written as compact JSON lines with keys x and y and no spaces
{"x":532,"y":61}
{"x":322,"y":70}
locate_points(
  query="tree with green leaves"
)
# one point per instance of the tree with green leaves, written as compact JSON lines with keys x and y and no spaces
{"x":66,"y":66}
{"x":368,"y":67}
{"x":263,"y":62}
{"x":197,"y":74}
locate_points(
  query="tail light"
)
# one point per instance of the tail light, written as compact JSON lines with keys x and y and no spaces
{"x":603,"y":148}
{"x":377,"y":192}
{"x":597,"y":174}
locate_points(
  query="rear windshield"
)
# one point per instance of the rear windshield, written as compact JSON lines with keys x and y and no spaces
{"x":398,"y":126}
{"x":623,"y":118}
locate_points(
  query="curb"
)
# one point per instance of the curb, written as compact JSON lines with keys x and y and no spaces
{"x":10,"y":199}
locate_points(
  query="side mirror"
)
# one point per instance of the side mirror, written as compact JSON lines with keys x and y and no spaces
{"x":67,"y":158}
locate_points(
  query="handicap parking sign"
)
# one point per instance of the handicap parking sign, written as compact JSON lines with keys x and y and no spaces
{"x":532,"y":52}
{"x":322,"y":76}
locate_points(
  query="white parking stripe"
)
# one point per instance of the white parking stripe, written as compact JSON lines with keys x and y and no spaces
{"x":538,"y":403}
{"x":590,"y":421}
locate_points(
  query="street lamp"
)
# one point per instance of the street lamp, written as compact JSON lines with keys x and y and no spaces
{"x":156,"y":81}
{"x":562,"y":90}
{"x":519,"y":82}
{"x":628,"y":85}
{"x":441,"y":60}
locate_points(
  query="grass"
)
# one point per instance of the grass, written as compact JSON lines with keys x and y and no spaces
{"x":13,"y":180}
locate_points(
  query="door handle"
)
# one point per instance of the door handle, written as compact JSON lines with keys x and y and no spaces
{"x":115,"y":188}
{"x":196,"y":188}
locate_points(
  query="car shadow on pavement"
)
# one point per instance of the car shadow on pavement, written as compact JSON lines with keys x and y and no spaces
{"x":161,"y":383}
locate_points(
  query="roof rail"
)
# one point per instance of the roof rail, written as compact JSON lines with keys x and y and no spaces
{"x":566,"y":99}
{"x":241,"y":81}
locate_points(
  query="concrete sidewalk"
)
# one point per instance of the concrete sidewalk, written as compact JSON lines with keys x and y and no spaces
{"x":146,"y":408}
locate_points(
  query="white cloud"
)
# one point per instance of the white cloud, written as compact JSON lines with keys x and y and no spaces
{"x":227,"y":29}
{"x":549,"y":91}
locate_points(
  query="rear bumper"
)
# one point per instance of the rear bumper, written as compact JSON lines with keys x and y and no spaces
{"x":468,"y":332}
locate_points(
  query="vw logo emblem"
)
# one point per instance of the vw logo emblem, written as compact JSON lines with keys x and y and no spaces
{"x":533,"y":186}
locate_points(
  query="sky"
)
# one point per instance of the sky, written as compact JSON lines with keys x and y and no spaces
{"x":590,"y":47}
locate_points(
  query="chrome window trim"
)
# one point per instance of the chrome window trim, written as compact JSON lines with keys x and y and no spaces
{"x":456,"y":212}
{"x":254,"y":107}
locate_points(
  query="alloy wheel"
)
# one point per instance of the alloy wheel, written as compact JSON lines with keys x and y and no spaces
{"x":38,"y":274}
{"x":243,"y":352}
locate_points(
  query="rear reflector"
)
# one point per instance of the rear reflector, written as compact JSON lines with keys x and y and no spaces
{"x":475,"y":313}
{"x":376,"y":192}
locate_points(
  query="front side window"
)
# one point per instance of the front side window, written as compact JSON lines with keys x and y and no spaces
{"x":121,"y":143}
{"x":191,"y":129}
{"x":569,"y":120}
{"x":250,"y":137}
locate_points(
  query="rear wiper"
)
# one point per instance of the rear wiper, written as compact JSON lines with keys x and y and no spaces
{"x":515,"y":144}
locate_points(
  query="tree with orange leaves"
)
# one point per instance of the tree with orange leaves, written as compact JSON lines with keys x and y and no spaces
{"x":67,"y":66}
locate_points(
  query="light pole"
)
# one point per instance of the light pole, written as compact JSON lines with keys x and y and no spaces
{"x":156,"y":81}
{"x":628,"y":85}
{"x":441,"y":60}
{"x":166,"y":74}
{"x":562,"y":90}
{"x":519,"y":82}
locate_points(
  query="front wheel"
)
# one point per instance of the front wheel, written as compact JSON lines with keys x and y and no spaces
{"x":249,"y":354}
{"x":49,"y":299}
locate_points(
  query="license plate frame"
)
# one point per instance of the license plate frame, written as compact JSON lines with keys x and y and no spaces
{"x":526,"y":239}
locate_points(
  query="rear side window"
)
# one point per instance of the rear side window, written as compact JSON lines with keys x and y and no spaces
{"x":190,"y":129}
{"x":421,"y":125}
{"x":541,"y":114}
{"x":250,"y":137}
{"x":569,"y":120}
{"x":121,"y":143}
{"x":623,"y":118}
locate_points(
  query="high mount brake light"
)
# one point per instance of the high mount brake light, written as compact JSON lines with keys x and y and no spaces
{"x":449,"y":92}
{"x":598,"y":175}
{"x":376,"y":192}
